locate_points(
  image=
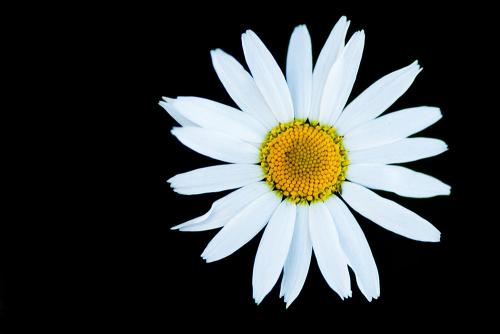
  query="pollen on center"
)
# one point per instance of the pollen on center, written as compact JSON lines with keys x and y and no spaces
{"x":304,"y":162}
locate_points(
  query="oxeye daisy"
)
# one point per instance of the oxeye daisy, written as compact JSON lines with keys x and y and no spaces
{"x":297,"y":154}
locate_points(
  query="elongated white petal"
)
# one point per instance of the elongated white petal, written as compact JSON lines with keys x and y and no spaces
{"x":268,"y":76}
{"x":326,"y":245}
{"x":273,"y":249}
{"x":216,"y":178}
{"x":327,"y":57}
{"x":388,"y":214}
{"x":377,"y":98}
{"x":225,"y":208}
{"x":242,"y":227}
{"x":220,"y":117}
{"x":242,"y":88}
{"x":299,"y":71}
{"x":174,"y":113}
{"x":340,"y":80}
{"x":405,"y":150}
{"x":391,"y":127}
{"x":399,"y":180}
{"x":217,"y":145}
{"x":356,"y":248}
{"x":298,"y":259}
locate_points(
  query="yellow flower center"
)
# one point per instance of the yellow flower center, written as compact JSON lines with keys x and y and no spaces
{"x":304,"y":162}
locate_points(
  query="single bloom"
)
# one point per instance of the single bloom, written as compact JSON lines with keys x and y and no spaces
{"x":297,"y":155}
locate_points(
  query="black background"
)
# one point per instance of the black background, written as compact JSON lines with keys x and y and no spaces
{"x":110,"y":258}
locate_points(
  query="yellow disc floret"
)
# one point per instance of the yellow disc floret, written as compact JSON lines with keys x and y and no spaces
{"x":304,"y":162}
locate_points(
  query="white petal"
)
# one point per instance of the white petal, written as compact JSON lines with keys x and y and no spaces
{"x":340,"y":80}
{"x":217,"y":145}
{"x":391,"y":127}
{"x":225,"y":208}
{"x":216,"y":178}
{"x":326,"y":245}
{"x":242,"y":88}
{"x":268,"y":76}
{"x":377,"y":98}
{"x":405,"y":150}
{"x":356,"y":248}
{"x":399,"y":180}
{"x":174,"y":113}
{"x":388,"y":214}
{"x":299,"y":71}
{"x":242,"y":227}
{"x":273,"y":249}
{"x":220,"y":117}
{"x":327,"y":57}
{"x":299,"y":257}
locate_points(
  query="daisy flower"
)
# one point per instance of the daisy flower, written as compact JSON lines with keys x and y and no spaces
{"x":297,"y":155}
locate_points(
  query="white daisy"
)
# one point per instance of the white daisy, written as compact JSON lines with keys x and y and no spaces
{"x":297,"y":153}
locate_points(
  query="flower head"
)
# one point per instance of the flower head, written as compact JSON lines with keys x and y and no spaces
{"x":297,"y":152}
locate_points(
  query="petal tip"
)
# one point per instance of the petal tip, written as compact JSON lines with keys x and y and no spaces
{"x":290,"y":299}
{"x":175,"y":130}
{"x":246,"y":34}
{"x":204,"y":254}
{"x":300,"y":27}
{"x":436,"y":237}
{"x":216,"y":51}
{"x":437,"y":111}
{"x":257,"y":299}
{"x":180,"y":191}
{"x":448,"y":190}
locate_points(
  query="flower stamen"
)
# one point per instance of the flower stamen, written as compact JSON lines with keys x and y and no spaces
{"x":304,"y":162}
